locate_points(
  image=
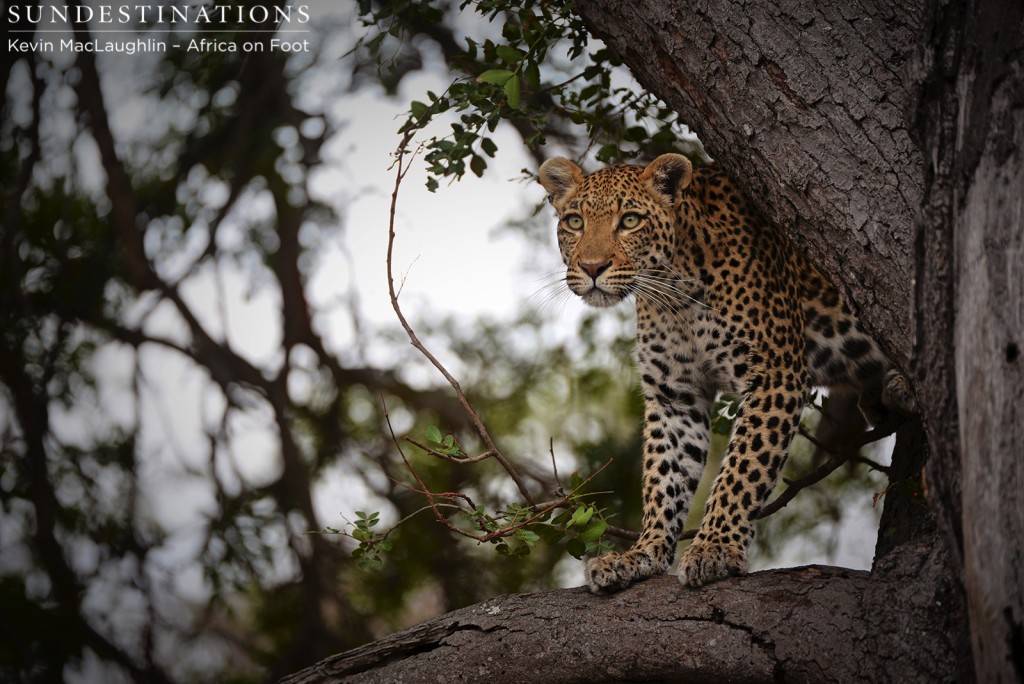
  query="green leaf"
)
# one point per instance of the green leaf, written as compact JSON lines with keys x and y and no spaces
{"x":532,"y":75}
{"x":496,"y":76}
{"x":528,"y":537}
{"x":418,"y":109}
{"x":433,"y":434}
{"x":549,"y":533}
{"x":562,"y":518}
{"x":477,"y":165}
{"x":448,"y":442}
{"x":370,"y":562}
{"x":509,"y":32}
{"x":581,"y":516}
{"x":636,"y":134}
{"x":576,"y":548}
{"x":608,"y":153}
{"x":488,"y":146}
{"x":593,"y":531}
{"x":512,"y":92}
{"x":510,"y":55}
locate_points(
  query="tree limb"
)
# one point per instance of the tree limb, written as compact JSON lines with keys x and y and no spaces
{"x":748,"y":629}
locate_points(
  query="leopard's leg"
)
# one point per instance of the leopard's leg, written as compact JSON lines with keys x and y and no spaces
{"x":897,"y":394}
{"x":676,"y":434}
{"x":766,"y":420}
{"x":842,"y":355}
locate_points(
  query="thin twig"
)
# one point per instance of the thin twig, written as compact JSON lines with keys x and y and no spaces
{"x":424,"y":490}
{"x":828,"y":467}
{"x":622,"y":533}
{"x":554,"y":465}
{"x":871,"y":463}
{"x":795,"y":486}
{"x":400,"y":170}
{"x":815,"y":476}
{"x":448,"y":457}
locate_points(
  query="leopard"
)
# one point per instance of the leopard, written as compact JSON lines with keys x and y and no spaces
{"x":724,"y":305}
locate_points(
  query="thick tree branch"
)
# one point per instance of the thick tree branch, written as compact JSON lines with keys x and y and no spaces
{"x":749,"y":629}
{"x":124,"y":213}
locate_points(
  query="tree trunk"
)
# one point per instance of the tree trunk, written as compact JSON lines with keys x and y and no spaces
{"x":970,"y":314}
{"x":885,"y":137}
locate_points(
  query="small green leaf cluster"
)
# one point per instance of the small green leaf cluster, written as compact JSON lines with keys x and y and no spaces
{"x":724,"y":415}
{"x":543,"y":75}
{"x":580,"y":527}
{"x":371,"y":546}
{"x":514,"y":530}
{"x":445,"y":445}
{"x":585,"y":531}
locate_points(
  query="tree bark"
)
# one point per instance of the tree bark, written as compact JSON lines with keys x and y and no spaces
{"x":805,"y":104}
{"x":808,"y":624}
{"x":885,"y":138}
{"x":970,"y":318}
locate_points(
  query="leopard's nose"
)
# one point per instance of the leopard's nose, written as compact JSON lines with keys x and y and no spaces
{"x":595,"y":268}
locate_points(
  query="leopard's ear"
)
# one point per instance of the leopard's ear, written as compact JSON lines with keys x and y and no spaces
{"x":560,"y":177}
{"x":668,"y":174}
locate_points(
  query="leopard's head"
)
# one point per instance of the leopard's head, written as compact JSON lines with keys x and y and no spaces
{"x":615,"y":226}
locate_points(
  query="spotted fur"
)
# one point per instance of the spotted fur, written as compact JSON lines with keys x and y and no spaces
{"x":723,"y":304}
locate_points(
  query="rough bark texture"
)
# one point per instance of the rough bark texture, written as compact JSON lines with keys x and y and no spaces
{"x":970,"y":312}
{"x":885,"y":137}
{"x":810,"y":624}
{"x":805,"y":105}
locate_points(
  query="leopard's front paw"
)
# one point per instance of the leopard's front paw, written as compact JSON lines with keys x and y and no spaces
{"x":704,"y":562}
{"x":615,"y":571}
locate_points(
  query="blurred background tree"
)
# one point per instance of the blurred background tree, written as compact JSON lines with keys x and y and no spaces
{"x":165,"y":459}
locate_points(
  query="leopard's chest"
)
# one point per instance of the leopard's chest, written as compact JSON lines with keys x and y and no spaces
{"x":692,"y":348}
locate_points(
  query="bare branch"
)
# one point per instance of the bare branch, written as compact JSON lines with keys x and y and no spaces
{"x":400,"y":170}
{"x":448,"y":457}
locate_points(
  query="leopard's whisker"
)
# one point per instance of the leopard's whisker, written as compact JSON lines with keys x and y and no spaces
{"x":670,"y":276}
{"x":548,"y":294}
{"x":669,"y":289}
{"x":658,"y":298}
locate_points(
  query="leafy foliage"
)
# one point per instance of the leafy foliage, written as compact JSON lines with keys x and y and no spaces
{"x":545,"y":64}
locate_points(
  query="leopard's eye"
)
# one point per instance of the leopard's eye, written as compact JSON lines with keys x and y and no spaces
{"x":574,"y":222}
{"x":630,"y":221}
